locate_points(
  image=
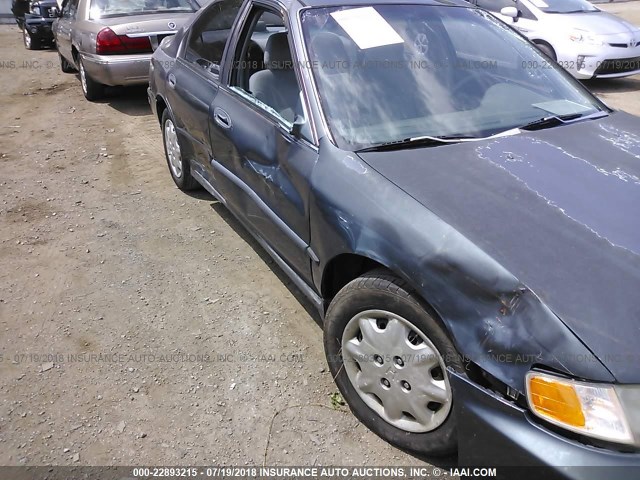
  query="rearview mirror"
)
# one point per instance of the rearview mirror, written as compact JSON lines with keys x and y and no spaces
{"x":298,"y":123}
{"x":510,"y":12}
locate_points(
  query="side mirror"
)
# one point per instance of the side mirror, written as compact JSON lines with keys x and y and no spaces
{"x":510,"y":12}
{"x":298,"y":122}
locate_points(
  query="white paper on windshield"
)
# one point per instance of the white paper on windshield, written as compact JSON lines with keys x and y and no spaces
{"x":561,"y":107}
{"x":539,"y":3}
{"x":367,"y":27}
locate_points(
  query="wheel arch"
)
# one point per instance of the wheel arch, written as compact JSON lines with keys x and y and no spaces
{"x":75,"y":54}
{"x":161,"y":106}
{"x":345,"y":267}
{"x":540,"y":41}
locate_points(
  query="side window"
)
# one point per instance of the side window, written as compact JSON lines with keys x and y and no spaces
{"x":210,"y":34}
{"x":66,"y":8}
{"x":73,"y":8}
{"x":263,"y":69}
{"x":495,"y":5}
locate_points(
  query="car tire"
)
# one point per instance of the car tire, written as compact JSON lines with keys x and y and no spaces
{"x":30,"y":43}
{"x":421,"y":419}
{"x":91,"y":89}
{"x":65,"y":66}
{"x":178,"y":166}
{"x":547,"y":50}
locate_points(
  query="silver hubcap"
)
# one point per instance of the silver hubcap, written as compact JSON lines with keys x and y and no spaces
{"x":173,"y":149}
{"x":396,"y":370}
{"x":83,"y":78}
{"x":27,"y":38}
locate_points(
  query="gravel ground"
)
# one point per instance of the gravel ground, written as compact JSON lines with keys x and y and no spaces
{"x":140,"y":325}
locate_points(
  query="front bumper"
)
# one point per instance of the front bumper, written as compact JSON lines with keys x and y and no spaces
{"x":605,"y":61}
{"x":40,"y":30}
{"x":116,"y":70}
{"x":493,"y":432}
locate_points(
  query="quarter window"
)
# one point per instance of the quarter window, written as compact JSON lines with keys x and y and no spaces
{"x":210,"y":34}
{"x":70,"y":8}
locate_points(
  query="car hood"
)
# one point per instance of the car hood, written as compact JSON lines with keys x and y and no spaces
{"x":597,"y":23}
{"x":559,"y":209}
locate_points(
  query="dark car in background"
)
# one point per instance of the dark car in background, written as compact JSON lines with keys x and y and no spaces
{"x":466,"y":227}
{"x":19,"y":8}
{"x":35,"y":20}
{"x":37,"y":24}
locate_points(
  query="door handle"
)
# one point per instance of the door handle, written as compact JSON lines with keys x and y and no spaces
{"x":171,"y":80}
{"x":222,"y":118}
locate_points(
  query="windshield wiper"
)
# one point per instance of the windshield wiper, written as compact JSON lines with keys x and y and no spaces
{"x":557,"y":120}
{"x":412,"y":142}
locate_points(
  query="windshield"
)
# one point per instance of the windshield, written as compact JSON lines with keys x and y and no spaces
{"x":393,"y":72}
{"x":564,"y":6}
{"x":118,"y":8}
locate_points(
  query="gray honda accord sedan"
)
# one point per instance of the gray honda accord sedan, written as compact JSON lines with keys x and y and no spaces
{"x":466,"y":226}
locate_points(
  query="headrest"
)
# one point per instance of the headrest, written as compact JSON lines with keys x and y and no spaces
{"x":277,"y":55}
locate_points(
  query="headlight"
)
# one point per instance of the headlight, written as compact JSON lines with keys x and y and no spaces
{"x":582,"y":36}
{"x":35,"y":10}
{"x":590,"y":409}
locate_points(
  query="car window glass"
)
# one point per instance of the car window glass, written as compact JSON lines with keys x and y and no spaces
{"x":495,"y":5}
{"x":69,"y":9}
{"x":263,"y":68}
{"x":73,"y":8}
{"x":117,"y":8}
{"x":462,"y":35}
{"x":210,"y":33}
{"x":428,"y":71}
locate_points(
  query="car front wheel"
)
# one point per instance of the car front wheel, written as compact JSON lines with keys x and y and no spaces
{"x":389,"y":357}
{"x":547,"y":50}
{"x":92,"y":90}
{"x":30,"y":43}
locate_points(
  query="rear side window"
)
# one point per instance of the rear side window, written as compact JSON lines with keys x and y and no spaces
{"x":210,"y":33}
{"x":120,"y":8}
{"x":70,"y":8}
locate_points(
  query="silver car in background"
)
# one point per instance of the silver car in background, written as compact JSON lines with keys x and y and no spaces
{"x":110,"y":42}
{"x":586,"y":41}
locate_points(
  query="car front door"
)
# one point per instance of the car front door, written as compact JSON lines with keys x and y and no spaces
{"x":194,"y":79}
{"x":64,"y":29}
{"x":263,"y":152}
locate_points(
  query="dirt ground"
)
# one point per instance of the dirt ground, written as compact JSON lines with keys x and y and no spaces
{"x":141,"y":325}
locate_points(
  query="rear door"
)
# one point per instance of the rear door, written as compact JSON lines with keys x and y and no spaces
{"x":64,"y":28}
{"x":193,"y":81}
{"x":262,"y":161}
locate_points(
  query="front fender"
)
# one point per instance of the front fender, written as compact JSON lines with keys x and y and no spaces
{"x":493,"y":318}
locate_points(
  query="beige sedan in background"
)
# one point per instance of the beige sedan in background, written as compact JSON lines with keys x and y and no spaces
{"x":110,"y":42}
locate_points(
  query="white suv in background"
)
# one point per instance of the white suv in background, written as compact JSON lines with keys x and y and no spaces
{"x":586,"y":41}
